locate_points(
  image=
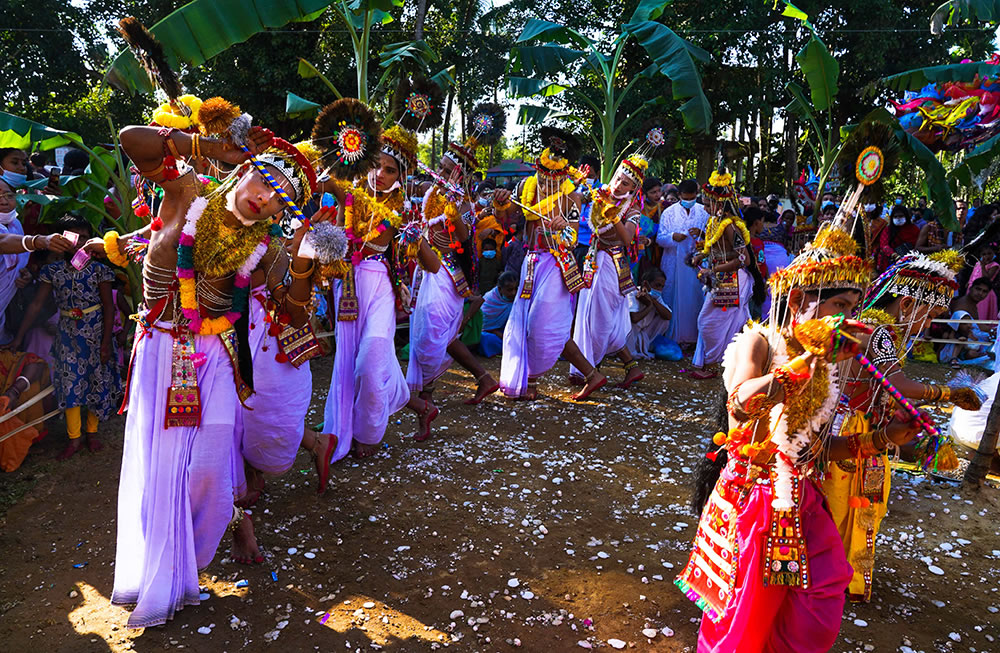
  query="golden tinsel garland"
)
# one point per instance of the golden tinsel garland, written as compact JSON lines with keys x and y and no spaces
{"x":220,"y":250}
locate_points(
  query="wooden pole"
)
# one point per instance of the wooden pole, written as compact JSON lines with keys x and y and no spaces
{"x":975,"y":475}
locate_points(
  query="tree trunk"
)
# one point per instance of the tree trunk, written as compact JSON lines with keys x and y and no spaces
{"x":791,"y":153}
{"x":980,"y":465}
{"x":705,"y":149}
{"x":446,"y":128}
{"x":418,"y":29}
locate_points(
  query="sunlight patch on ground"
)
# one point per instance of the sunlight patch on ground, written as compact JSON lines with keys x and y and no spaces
{"x":381,"y":623}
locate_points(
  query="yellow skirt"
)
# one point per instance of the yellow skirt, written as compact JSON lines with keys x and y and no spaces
{"x":869,"y":478}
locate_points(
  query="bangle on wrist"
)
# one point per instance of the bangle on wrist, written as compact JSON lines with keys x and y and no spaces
{"x":24,"y":244}
{"x":302,"y":275}
{"x":295,"y":302}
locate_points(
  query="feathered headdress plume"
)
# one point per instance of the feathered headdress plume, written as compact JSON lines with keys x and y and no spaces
{"x":487,"y":123}
{"x":347,"y":132}
{"x":560,"y":143}
{"x":418,"y":104}
{"x":149,"y":52}
{"x":657,"y":138}
{"x":870,"y":138}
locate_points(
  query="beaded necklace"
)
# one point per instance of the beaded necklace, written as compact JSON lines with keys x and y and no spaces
{"x":251,"y":243}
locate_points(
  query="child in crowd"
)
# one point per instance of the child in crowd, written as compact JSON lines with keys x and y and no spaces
{"x":489,"y":266}
{"x":86,"y":367}
{"x":496,"y":310}
{"x":649,"y":313}
{"x":963,"y":311}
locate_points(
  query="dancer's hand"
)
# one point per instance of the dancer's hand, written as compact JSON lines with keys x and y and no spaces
{"x":258,"y":140}
{"x":501,"y":196}
{"x":904,"y":427}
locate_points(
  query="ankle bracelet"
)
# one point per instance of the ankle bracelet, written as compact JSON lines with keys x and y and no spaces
{"x":631,"y":364}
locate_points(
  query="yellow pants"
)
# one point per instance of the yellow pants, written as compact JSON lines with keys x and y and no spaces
{"x":73,"y":422}
{"x":870,"y":477}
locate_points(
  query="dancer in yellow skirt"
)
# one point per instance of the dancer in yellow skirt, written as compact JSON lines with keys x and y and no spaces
{"x":898,"y":305}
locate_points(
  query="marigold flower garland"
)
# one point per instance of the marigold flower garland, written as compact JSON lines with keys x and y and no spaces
{"x":715,"y":229}
{"x":546,"y":205}
{"x":186,"y":277}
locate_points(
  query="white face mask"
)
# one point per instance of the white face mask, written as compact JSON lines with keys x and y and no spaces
{"x":231,"y":207}
{"x":7,"y":218}
{"x":869,"y":208}
{"x":899,"y":222}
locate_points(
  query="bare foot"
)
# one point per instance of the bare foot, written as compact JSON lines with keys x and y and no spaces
{"x":71,"y":449}
{"x":704,"y":374}
{"x":634,"y":375}
{"x":255,"y":487}
{"x":424,"y":419}
{"x":531,"y":393}
{"x":576,"y":379}
{"x":245,"y":549}
{"x":596,"y":382}
{"x":93,"y":444}
{"x":362,"y":450}
{"x":487,"y":386}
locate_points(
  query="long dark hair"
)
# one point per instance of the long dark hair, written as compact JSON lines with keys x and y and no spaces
{"x":709,"y":467}
{"x":752,"y":215}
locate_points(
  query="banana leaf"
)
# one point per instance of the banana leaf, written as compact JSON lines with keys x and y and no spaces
{"x":416,"y":51}
{"x":675,"y":58}
{"x":976,"y":161}
{"x":534,"y":115}
{"x":203,"y":28}
{"x":299,"y":107}
{"x":649,"y":10}
{"x":536,"y":29}
{"x":526,"y":87}
{"x":376,"y":17}
{"x":25,"y":134}
{"x":912,"y":80}
{"x":792,"y":11}
{"x":444,"y":78}
{"x":955,"y":12}
{"x":821,"y":71}
{"x":306,"y":71}
{"x":547,"y":59}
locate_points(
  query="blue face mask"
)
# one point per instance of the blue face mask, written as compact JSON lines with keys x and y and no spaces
{"x":489,"y":253}
{"x":687,"y":204}
{"x":482,"y":201}
{"x":15,"y":179}
{"x":898,"y":201}
{"x":654,"y":293}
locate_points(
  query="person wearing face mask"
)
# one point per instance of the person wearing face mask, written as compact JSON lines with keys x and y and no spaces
{"x":649,"y":315}
{"x":14,"y":166}
{"x":900,"y":305}
{"x":189,"y":370}
{"x":681,"y":225}
{"x":898,"y":238}
{"x":768,"y":567}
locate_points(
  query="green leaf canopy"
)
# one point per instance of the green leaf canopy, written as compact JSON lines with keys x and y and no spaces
{"x":821,"y":71}
{"x":203,"y":28}
{"x":675,"y":58}
{"x":976,"y":161}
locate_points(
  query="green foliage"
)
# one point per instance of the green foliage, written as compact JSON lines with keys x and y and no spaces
{"x":202,"y":29}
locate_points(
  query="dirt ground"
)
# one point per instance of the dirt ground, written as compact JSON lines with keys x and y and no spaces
{"x":551,"y":526}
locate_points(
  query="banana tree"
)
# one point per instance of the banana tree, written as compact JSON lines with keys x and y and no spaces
{"x":82,"y":194}
{"x":548,"y":50}
{"x":821,"y":72}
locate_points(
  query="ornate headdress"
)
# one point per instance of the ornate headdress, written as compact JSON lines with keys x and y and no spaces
{"x":829,"y":261}
{"x":347,"y":134}
{"x":635,"y":168}
{"x":293,"y":165}
{"x":560,"y":148}
{"x":401,"y":145}
{"x":927,"y":279}
{"x":485,"y":127}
